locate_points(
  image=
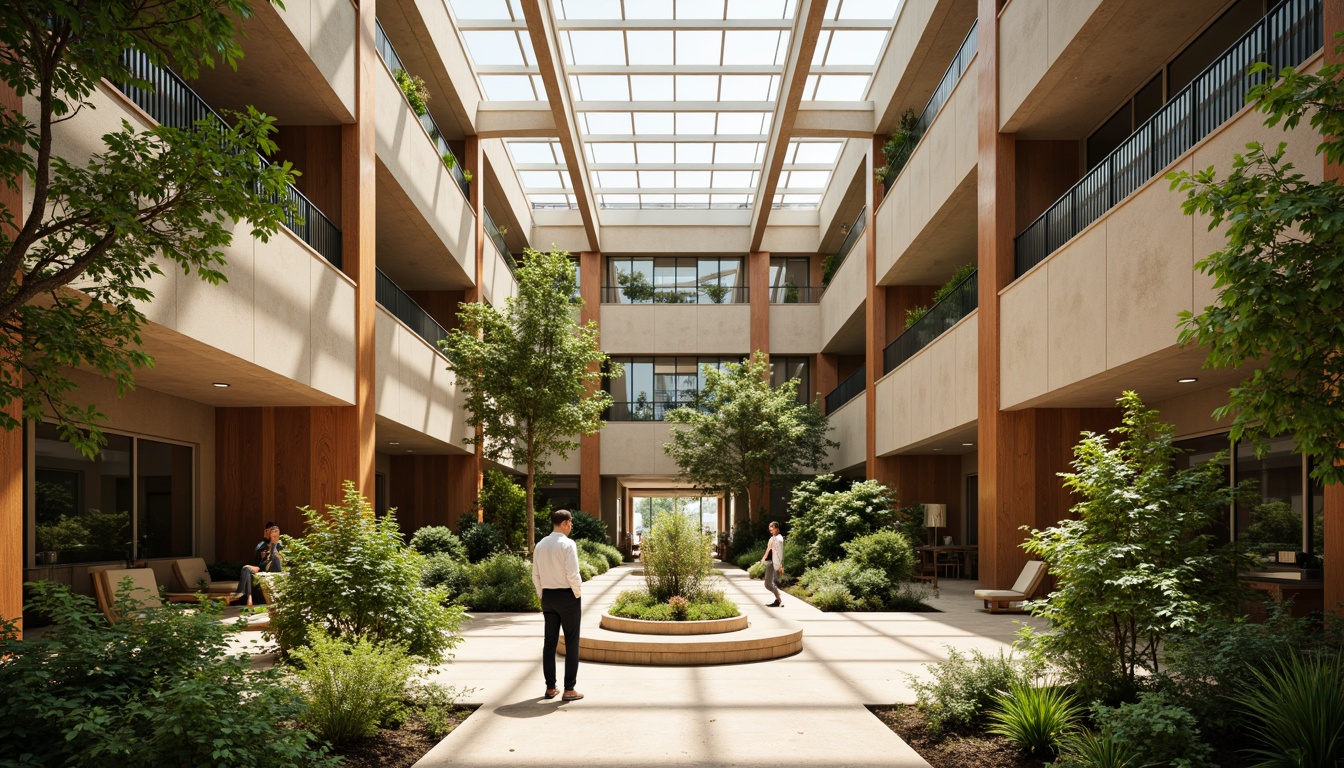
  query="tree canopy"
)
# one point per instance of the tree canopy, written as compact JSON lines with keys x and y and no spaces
{"x":741,"y":432}
{"x":530,"y":372}
{"x":73,"y":270}
{"x":1279,"y":277}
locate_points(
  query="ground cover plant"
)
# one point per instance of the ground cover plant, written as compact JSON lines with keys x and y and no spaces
{"x":501,"y":582}
{"x":157,"y":688}
{"x":639,"y":604}
{"x":678,"y":574}
{"x":352,"y":576}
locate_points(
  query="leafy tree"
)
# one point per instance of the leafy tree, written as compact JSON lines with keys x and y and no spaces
{"x":742,"y":431}
{"x":1139,"y":566}
{"x":504,"y":505}
{"x":1279,"y":276}
{"x":74,"y":269}
{"x":530,"y":372}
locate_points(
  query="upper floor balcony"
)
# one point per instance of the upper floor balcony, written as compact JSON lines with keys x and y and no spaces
{"x":933,"y":393}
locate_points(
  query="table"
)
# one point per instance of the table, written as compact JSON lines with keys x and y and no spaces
{"x":931,"y":557}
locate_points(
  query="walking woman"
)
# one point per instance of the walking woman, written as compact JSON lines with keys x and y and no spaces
{"x":774,"y":564}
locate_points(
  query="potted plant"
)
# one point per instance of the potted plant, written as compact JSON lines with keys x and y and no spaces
{"x":417,"y":95}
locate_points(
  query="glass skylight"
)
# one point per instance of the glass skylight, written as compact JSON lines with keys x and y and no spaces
{"x":673,"y":99}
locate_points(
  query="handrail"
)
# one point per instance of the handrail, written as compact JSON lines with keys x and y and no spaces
{"x":393,"y":61}
{"x":672,"y":294}
{"x":943,"y":91}
{"x":404,"y":308}
{"x":173,"y":103}
{"x":959,"y":302}
{"x":1286,"y":36}
{"x":802,"y":294}
{"x":492,"y":232}
{"x":848,"y":389}
{"x":847,"y":245}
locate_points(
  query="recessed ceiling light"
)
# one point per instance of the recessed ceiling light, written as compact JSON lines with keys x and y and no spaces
{"x":408,"y":450}
{"x":968,"y":444}
{"x":937,"y":449}
{"x":1187,"y":380}
{"x":393,"y":442}
{"x":221,"y":384}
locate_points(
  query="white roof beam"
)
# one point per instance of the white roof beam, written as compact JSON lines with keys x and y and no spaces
{"x":674,"y":106}
{"x":546,"y":44}
{"x":564,"y":25}
{"x":673,"y":69}
{"x":802,"y":44}
{"x":663,"y":138}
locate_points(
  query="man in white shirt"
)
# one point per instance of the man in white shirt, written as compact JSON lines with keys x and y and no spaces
{"x":555,"y":574}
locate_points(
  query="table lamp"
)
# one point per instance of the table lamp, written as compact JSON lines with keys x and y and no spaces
{"x":935,"y":517}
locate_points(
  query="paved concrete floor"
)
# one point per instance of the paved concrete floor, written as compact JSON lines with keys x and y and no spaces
{"x":804,"y":710}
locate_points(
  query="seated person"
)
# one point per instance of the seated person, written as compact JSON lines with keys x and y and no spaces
{"x":267,"y":558}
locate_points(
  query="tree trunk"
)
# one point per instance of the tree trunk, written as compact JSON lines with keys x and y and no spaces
{"x":531,"y":516}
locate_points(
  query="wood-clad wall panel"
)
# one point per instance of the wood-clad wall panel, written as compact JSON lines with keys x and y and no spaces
{"x":874,"y":309}
{"x":440,"y":305}
{"x":927,"y":480}
{"x":901,"y":299}
{"x":590,"y":446}
{"x":758,"y":293}
{"x":1333,"y":510}
{"x":315,"y":151}
{"x":824,"y":375}
{"x":421,"y":490}
{"x":463,"y":474}
{"x":11,"y":449}
{"x":1045,"y":170}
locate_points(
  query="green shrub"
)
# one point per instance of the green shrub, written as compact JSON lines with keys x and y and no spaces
{"x":504,"y":505}
{"x":1138,"y":562}
{"x":748,"y":536}
{"x":677,"y":558}
{"x":352,"y":576}
{"x":586,"y":569}
{"x":502,"y":582}
{"x":597,"y":560}
{"x":417,"y":95}
{"x":1207,"y":668}
{"x":1157,"y":730}
{"x":1296,"y":711}
{"x":639,"y":604}
{"x":439,"y":540}
{"x":823,"y":521}
{"x":757,"y":570}
{"x":1035,"y":719}
{"x":586,"y":527}
{"x":867,"y":588}
{"x":447,"y":573}
{"x":750,"y":557}
{"x":483,"y":540}
{"x":887,"y":551}
{"x":962,"y":688}
{"x":352,"y":688}
{"x":159,"y":689}
{"x":607,"y":552}
{"x":1085,"y":749}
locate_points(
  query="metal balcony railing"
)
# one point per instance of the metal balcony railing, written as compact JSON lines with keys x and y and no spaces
{"x":942,"y":92}
{"x":1285,"y":37}
{"x":404,"y":308}
{"x":795,"y":294}
{"x":850,"y":388}
{"x":851,"y":239}
{"x":393,"y":62}
{"x":173,"y":103}
{"x":958,"y":303}
{"x":675,"y":294}
{"x":492,"y":232}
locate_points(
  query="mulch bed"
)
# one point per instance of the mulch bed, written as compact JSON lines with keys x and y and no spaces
{"x":954,"y":750}
{"x":397,"y":747}
{"x":984,"y":750}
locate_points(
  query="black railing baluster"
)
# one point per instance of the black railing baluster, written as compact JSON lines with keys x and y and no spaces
{"x":957,"y":304}
{"x":848,"y":389}
{"x":1290,"y":33}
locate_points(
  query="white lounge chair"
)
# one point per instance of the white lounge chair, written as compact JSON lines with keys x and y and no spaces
{"x":1002,"y":600}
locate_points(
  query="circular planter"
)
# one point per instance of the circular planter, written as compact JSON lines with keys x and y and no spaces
{"x":643,"y":627}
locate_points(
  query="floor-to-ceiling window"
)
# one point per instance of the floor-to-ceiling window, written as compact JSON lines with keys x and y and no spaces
{"x":645,"y":510}
{"x":136,"y":499}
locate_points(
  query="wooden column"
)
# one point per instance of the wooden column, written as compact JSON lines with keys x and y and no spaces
{"x":590,"y":446}
{"x":758,"y":291}
{"x":825,"y":377}
{"x":875,"y":308}
{"x":469,"y":476}
{"x":1333,"y":508}
{"x":1000,"y":516}
{"x":11,"y":449}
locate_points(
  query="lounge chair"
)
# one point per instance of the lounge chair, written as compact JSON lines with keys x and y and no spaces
{"x":1002,"y":600}
{"x":193,"y":576}
{"x":144,"y":588}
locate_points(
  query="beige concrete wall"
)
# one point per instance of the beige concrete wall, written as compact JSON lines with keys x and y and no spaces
{"x":1040,"y":31}
{"x":636,"y":448}
{"x":845,"y":295}
{"x":497,"y":282}
{"x":849,"y":427}
{"x":413,"y":386}
{"x":570,"y":466}
{"x":1111,"y":295}
{"x":284,"y":307}
{"x":1192,"y":414}
{"x":675,"y":329}
{"x":407,"y":152}
{"x":940,"y":163}
{"x":325,"y":28}
{"x":795,"y":329}
{"x":932,"y":393}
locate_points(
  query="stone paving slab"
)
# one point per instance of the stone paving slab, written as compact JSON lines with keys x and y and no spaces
{"x":804,"y":710}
